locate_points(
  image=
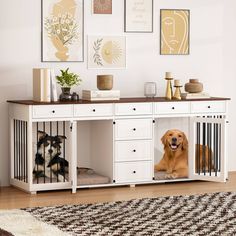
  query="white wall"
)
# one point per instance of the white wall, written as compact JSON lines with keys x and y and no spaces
{"x":212,"y":57}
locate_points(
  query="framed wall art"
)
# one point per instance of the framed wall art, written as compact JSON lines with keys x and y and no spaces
{"x":102,"y":6}
{"x":174,"y":32}
{"x":138,"y":16}
{"x":62,"y":30}
{"x":106,"y":52}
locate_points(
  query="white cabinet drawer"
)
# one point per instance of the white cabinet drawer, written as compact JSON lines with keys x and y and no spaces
{"x":133,"y":129}
{"x":133,"y":171}
{"x":131,"y":109}
{"x":133,"y":150}
{"x":52,"y":111}
{"x":172,"y":108}
{"x":93,"y":110}
{"x":208,"y":107}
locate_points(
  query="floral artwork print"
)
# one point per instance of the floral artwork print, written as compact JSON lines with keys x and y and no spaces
{"x":106,"y":52}
{"x":63,"y":30}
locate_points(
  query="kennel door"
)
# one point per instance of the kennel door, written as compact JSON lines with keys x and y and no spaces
{"x":207,"y":149}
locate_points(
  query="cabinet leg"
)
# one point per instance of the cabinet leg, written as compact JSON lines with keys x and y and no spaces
{"x":132,"y":185}
{"x":74,"y":190}
{"x":33,"y":193}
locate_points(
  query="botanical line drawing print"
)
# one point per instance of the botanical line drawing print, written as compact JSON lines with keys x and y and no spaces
{"x":97,"y":56}
{"x":175,"y":32}
{"x":106,"y":52}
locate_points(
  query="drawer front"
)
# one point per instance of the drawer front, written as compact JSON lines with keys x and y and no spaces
{"x":93,"y":110}
{"x":133,"y":150}
{"x":133,"y":171}
{"x":133,"y":129}
{"x":172,"y":108}
{"x":208,"y":107}
{"x":132,"y":109}
{"x":53,"y":111}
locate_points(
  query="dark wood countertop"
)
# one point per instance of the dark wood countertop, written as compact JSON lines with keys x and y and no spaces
{"x":122,"y":100}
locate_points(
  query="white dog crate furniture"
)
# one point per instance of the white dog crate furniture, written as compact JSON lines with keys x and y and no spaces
{"x":112,"y":143}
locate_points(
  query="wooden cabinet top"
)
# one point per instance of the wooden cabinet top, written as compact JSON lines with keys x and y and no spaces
{"x":122,"y":100}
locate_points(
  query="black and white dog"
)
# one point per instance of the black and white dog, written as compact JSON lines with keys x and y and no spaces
{"x":48,"y":162}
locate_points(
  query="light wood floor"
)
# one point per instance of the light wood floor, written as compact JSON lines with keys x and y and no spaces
{"x":13,"y":198}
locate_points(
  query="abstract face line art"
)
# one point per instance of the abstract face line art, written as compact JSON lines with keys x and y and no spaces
{"x":106,"y":52}
{"x":174,"y":32}
{"x":62,"y":30}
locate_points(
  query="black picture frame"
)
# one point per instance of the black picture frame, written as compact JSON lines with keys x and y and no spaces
{"x":42,"y":36}
{"x":137,"y":31}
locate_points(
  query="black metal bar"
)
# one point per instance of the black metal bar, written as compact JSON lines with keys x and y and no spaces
{"x":14,"y":121}
{"x":19,"y":161}
{"x":22,"y":152}
{"x":50,"y":153}
{"x":26,"y":144}
{"x":204,"y":148}
{"x":37,"y":140}
{"x":210,"y":147}
{"x":57,"y":149}
{"x":198,"y":148}
{"x":64,"y":146}
{"x":44,"y":166}
{"x":217,"y":148}
{"x":219,"y":167}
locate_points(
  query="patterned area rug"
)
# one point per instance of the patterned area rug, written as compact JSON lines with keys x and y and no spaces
{"x":207,"y":214}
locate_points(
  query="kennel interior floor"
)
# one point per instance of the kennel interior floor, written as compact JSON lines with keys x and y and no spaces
{"x":11,"y":198}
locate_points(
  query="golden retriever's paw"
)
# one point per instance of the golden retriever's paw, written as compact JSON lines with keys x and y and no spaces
{"x":171,"y":176}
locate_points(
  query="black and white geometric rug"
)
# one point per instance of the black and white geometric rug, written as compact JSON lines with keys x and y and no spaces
{"x":207,"y":214}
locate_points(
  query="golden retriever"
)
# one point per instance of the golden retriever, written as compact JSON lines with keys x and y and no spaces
{"x":175,"y":158}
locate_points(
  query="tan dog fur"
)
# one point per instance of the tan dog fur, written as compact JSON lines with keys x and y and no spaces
{"x":174,"y":162}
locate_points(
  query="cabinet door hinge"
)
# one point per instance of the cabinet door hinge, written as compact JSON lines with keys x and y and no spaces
{"x":71,"y":127}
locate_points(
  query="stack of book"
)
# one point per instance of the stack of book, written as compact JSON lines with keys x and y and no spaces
{"x":195,"y":95}
{"x":100,"y":95}
{"x":44,"y":85}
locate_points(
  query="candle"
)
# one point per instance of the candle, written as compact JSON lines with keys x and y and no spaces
{"x":176,"y":82}
{"x":168,"y":75}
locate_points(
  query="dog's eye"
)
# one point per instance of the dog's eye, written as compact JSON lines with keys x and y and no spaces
{"x":46,"y":144}
{"x":170,"y":135}
{"x":180,"y":136}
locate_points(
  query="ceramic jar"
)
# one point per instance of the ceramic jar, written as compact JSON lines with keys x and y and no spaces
{"x":194,"y":86}
{"x":104,"y":82}
{"x":65,"y":95}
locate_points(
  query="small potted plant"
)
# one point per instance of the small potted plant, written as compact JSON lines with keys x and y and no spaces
{"x":67,"y":80}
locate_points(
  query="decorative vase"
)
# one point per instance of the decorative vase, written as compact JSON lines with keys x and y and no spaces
{"x":150,"y":89}
{"x":65,"y":95}
{"x":104,"y":82}
{"x":194,"y":86}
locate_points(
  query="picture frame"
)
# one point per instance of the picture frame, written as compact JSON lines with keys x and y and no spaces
{"x":106,"y":52}
{"x":138,"y":16}
{"x":62,"y":30}
{"x":102,"y":7}
{"x":174,"y":32}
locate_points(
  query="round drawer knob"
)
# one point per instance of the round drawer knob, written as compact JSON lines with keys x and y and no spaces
{"x":209,"y":107}
{"x":94,"y":110}
{"x":134,"y":150}
{"x":134,"y":129}
{"x":53,"y":111}
{"x":134,"y":172}
{"x":173,"y":108}
{"x":134,"y":109}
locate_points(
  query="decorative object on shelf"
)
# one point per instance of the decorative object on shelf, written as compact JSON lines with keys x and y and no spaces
{"x":193,"y":86}
{"x":100,"y":95}
{"x":62,"y":30}
{"x":53,"y":86}
{"x":67,"y":80}
{"x":174,"y":32}
{"x":139,"y":16}
{"x":106,"y":52}
{"x":75,"y":96}
{"x":150,"y":89}
{"x":177,"y":94}
{"x":104,"y":82}
{"x":102,"y":6}
{"x":195,"y":95}
{"x":42,"y":84}
{"x":169,"y":90}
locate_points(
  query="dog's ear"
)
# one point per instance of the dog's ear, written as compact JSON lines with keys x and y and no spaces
{"x":60,"y":138}
{"x":41,"y":134}
{"x":164,"y":138}
{"x":185,"y":142}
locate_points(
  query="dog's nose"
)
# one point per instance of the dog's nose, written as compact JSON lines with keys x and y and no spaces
{"x":174,"y":140}
{"x":50,"y":151}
